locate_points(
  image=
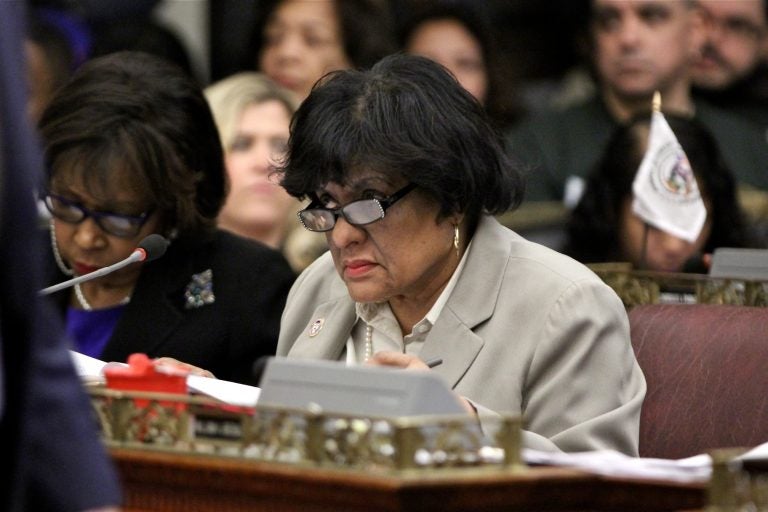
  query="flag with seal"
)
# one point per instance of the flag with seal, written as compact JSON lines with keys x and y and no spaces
{"x":666,"y":194}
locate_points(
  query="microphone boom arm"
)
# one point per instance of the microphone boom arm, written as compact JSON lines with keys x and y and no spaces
{"x":137,"y":255}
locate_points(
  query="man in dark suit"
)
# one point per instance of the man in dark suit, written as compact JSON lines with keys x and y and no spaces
{"x":48,"y":438}
{"x":732,"y":70}
{"x":637,"y":48}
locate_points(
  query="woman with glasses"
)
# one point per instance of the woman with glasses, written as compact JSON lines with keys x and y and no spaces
{"x":131,"y":150}
{"x":404,"y":172}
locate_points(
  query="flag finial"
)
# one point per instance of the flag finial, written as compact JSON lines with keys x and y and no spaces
{"x":657,"y":101}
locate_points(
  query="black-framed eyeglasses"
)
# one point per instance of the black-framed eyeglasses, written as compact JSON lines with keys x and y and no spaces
{"x":123,"y":226}
{"x":357,"y":213}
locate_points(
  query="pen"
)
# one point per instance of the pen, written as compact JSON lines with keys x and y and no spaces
{"x":434,"y":362}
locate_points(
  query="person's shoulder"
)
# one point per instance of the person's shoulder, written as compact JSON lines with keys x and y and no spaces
{"x":556,"y":119}
{"x":534,"y":273}
{"x":743,"y":144}
{"x":550,"y":262}
{"x":534,"y":260}
{"x":229,"y":245}
{"x":234,"y":253}
{"x":728,"y":127}
{"x":715,"y":117}
{"x":321,"y":273}
{"x":548,"y":278}
{"x":318,"y":284}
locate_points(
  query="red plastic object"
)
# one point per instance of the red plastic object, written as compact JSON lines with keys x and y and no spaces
{"x":141,"y":374}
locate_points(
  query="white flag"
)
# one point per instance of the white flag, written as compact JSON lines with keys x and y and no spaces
{"x":665,"y":189}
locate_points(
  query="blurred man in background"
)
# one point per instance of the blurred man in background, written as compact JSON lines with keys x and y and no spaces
{"x":732,"y":71}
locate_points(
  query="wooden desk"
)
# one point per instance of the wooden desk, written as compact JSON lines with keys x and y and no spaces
{"x":160,"y":481}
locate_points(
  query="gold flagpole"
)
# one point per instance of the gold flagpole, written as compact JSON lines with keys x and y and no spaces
{"x":656,"y":106}
{"x":656,"y":101}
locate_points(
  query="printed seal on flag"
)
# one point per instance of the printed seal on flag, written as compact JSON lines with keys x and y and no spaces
{"x":672,"y":175}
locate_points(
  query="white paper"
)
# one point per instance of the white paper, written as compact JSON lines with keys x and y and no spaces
{"x":229,"y":392}
{"x":615,"y":464}
{"x":91,"y":370}
{"x":758,"y":453}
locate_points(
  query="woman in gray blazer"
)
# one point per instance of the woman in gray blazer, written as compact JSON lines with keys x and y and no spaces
{"x":404,"y":172}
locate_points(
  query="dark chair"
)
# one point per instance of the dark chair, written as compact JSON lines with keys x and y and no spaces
{"x":707,"y":372}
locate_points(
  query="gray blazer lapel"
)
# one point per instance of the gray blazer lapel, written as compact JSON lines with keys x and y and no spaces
{"x":337,"y":319}
{"x":472,"y":302}
{"x":455,"y":343}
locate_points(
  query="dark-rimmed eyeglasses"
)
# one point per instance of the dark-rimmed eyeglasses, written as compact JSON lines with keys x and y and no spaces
{"x":357,"y":213}
{"x":71,"y":212}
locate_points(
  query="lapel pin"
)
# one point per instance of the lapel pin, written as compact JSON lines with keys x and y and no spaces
{"x":316,"y":326}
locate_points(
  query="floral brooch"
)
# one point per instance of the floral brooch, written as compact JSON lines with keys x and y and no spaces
{"x":199,"y":291}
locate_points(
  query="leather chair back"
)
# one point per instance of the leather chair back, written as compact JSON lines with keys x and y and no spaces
{"x":707,"y":372}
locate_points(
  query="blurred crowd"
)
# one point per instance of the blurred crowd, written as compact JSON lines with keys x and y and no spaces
{"x":541,"y":125}
{"x":558,"y":80}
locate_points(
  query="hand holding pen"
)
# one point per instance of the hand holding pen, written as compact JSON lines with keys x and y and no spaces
{"x":405,"y":361}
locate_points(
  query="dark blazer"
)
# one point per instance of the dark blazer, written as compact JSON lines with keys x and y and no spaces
{"x":49,"y":446}
{"x":172,"y":314}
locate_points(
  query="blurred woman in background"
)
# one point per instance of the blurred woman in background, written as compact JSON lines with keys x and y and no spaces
{"x":296,"y":42}
{"x":603,"y":228}
{"x":253,"y":115}
{"x":460,"y":37}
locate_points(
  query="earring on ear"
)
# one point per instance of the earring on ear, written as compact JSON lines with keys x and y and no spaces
{"x":456,"y":240}
{"x":57,"y":255}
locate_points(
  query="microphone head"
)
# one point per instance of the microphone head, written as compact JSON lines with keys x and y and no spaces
{"x":153,"y":246}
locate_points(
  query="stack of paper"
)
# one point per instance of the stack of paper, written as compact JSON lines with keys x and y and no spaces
{"x":91,"y":371}
{"x":615,"y":464}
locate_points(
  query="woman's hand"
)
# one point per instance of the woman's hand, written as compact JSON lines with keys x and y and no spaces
{"x":398,"y":360}
{"x":409,"y":362}
{"x":170,"y":362}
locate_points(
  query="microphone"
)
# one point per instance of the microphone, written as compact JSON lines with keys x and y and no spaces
{"x":153,"y":246}
{"x":150,"y":248}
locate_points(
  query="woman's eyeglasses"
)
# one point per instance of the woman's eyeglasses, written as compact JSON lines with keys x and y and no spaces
{"x":123,"y":226}
{"x":357,"y":213}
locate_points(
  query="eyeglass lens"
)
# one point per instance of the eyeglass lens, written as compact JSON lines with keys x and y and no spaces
{"x":114,"y":224}
{"x":358,"y":213}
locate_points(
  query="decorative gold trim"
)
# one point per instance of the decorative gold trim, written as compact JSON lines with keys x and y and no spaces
{"x":636,"y":287}
{"x":192,"y":424}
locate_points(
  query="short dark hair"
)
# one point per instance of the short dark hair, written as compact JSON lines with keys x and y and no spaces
{"x":409,"y":116}
{"x":367,"y":31}
{"x":135,"y":112}
{"x":501,"y":100}
{"x":593,"y":228}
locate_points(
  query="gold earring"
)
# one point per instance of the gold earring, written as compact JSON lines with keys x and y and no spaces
{"x":456,"y":240}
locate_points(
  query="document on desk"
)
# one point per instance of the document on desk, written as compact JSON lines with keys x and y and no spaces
{"x":91,"y":371}
{"x":612,"y":463}
{"x":756,"y":457}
